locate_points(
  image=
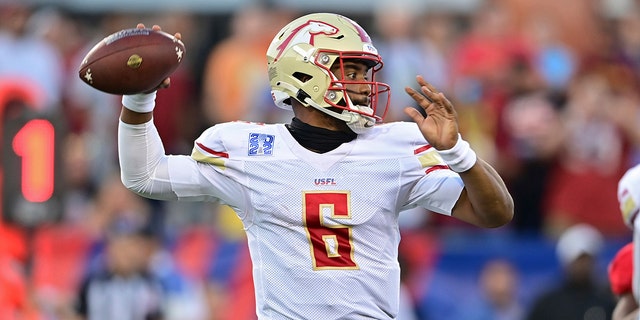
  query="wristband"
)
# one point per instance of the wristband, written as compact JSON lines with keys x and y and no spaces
{"x":141,"y":103}
{"x":461,"y":157}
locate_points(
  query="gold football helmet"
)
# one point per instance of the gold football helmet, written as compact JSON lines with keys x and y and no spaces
{"x":300,"y":59}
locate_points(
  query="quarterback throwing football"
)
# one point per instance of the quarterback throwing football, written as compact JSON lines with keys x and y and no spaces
{"x":319,"y":197}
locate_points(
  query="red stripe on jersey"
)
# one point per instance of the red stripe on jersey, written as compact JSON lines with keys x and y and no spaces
{"x":422,"y":149}
{"x":213,"y":152}
{"x":437,"y":167}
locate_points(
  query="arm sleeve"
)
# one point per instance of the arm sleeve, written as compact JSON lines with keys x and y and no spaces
{"x":438,"y":191}
{"x":147,"y":171}
{"x":142,"y":160}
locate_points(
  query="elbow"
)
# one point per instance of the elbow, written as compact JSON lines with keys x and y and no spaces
{"x":501,"y":215}
{"x":489,"y":214}
{"x":500,"y":220}
{"x":137,"y":186}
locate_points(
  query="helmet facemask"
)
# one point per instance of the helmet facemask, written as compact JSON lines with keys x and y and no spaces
{"x":360,"y":110}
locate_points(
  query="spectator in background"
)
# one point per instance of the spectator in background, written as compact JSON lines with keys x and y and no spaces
{"x":580,"y":28}
{"x":579,"y":294}
{"x":403,"y":55}
{"x":486,"y":56}
{"x":123,"y":289}
{"x":437,"y":33}
{"x":498,"y":300}
{"x":118,"y":283}
{"x":60,"y":30}
{"x":626,"y":27}
{"x":600,"y":119}
{"x":553,"y":59}
{"x":235,"y":67}
{"x":27,"y":58}
{"x":535,"y":137}
{"x":626,"y":42}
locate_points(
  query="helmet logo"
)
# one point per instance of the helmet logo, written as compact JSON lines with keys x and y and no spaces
{"x":305,"y":33}
{"x":364,"y":36}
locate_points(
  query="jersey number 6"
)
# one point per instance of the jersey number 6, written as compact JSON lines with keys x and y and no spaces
{"x":331,"y":245}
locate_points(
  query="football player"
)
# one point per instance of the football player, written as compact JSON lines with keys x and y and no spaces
{"x":319,"y":197}
{"x":624,"y":269}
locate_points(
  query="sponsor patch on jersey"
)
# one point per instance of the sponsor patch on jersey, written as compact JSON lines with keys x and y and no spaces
{"x":261,"y":144}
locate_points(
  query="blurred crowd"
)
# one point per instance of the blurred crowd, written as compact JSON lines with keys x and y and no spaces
{"x":548,"y":91}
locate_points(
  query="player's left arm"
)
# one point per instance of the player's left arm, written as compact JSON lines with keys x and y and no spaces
{"x":485,"y":200}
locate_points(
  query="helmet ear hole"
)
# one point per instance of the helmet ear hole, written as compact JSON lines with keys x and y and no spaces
{"x":303,"y":77}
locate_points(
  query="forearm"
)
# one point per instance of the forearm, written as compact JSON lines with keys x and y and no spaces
{"x":143,"y":163}
{"x":131,"y":117}
{"x":140,"y":148}
{"x":485,"y":200}
{"x":489,"y":202}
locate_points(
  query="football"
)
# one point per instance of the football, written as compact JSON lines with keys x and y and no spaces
{"x":132,"y":61}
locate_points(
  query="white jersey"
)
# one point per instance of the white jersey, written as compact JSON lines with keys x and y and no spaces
{"x":322,"y":228}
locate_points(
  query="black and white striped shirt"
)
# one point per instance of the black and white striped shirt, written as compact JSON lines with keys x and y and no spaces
{"x":107,"y":296}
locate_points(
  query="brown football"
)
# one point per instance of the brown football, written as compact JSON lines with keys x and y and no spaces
{"x":131,"y":61}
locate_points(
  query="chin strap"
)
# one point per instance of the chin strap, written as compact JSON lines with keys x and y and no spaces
{"x":360,"y":123}
{"x":357,"y":122}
